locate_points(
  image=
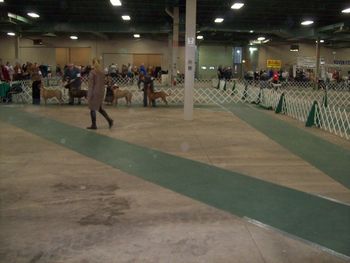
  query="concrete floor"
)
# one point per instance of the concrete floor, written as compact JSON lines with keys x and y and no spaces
{"x":58,"y":205}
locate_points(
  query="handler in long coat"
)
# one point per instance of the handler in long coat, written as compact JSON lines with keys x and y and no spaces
{"x":96,"y":94}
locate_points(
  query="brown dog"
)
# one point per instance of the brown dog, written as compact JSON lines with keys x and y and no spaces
{"x":118,"y":93}
{"x":51,"y":93}
{"x":78,"y":93}
{"x":156,"y":95}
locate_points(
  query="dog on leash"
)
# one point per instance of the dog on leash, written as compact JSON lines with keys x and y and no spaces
{"x":118,"y":93}
{"x":156,"y":95}
{"x":51,"y":93}
{"x":78,"y":93}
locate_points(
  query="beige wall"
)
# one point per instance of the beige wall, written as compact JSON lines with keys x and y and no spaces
{"x":209,"y":55}
{"x":289,"y":58}
{"x":213,"y":56}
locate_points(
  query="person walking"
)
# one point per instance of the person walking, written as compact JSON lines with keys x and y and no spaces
{"x":96,"y":93}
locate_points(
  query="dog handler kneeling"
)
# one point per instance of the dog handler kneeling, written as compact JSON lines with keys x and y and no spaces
{"x":96,"y":94}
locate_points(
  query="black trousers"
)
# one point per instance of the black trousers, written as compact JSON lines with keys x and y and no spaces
{"x":36,"y":91}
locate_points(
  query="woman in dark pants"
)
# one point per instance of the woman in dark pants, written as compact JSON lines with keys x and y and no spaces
{"x":35,"y":75}
{"x":96,"y":94}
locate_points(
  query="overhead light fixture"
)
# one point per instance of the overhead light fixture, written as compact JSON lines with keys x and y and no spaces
{"x":200,"y":37}
{"x":252,"y":49}
{"x":212,"y":67}
{"x":126,"y":18}
{"x":1,"y":1}
{"x":261,"y":38}
{"x":34,"y":15}
{"x":307,"y":22}
{"x":321,"y":41}
{"x":137,"y":36}
{"x":265,"y":41}
{"x":218,"y":20}
{"x":11,"y":34}
{"x":74,"y":37}
{"x":251,"y":31}
{"x":116,"y":2}
{"x":346,"y":11}
{"x":237,"y":6}
{"x":204,"y":67}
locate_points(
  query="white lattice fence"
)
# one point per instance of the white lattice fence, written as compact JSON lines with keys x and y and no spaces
{"x":333,"y":120}
{"x":296,"y":108}
{"x":269,"y":98}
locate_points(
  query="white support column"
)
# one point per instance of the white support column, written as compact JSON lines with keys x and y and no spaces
{"x":191,"y":13}
{"x":175,"y":53}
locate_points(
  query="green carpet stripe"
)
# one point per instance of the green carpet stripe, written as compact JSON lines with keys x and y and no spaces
{"x":331,"y":159}
{"x":309,"y":217}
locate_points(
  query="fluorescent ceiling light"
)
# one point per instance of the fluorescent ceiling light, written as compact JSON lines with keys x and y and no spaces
{"x":267,"y":40}
{"x":237,"y":6}
{"x":74,"y":37}
{"x":294,"y":50}
{"x":261,"y":38}
{"x":218,"y":20}
{"x":126,"y":17}
{"x":200,"y":37}
{"x":251,"y":31}
{"x":116,"y":2}
{"x":252,"y":49}
{"x":1,"y":1}
{"x":136,"y":35}
{"x":11,"y":34}
{"x":321,"y":41}
{"x":307,"y":22}
{"x":34,"y":15}
{"x":346,"y":11}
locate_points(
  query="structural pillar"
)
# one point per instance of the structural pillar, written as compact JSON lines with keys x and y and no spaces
{"x":17,"y":56}
{"x":170,"y":59}
{"x":175,"y":51}
{"x":190,"y":40}
{"x":317,"y":71}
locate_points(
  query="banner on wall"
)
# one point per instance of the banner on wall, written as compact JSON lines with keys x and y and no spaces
{"x":309,"y":62}
{"x":273,"y":63}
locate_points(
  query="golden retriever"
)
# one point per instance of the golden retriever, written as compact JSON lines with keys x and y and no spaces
{"x":118,"y":93}
{"x":51,"y":93}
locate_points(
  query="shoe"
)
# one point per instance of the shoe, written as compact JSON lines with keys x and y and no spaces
{"x":110,"y":123}
{"x":92,"y":127}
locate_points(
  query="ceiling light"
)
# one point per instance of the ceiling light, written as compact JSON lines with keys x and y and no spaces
{"x":252,"y":49}
{"x":200,"y":37}
{"x":116,"y":2}
{"x":11,"y":34}
{"x":346,"y":11}
{"x":237,"y":6}
{"x":261,"y":38}
{"x":218,"y":20}
{"x":1,"y":1}
{"x":321,"y":41}
{"x":74,"y":37}
{"x":126,"y":18}
{"x":307,"y":22}
{"x":34,"y":15}
{"x":251,"y":31}
{"x":136,"y":35}
{"x":267,"y":40}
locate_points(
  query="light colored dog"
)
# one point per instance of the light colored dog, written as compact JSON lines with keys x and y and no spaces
{"x":51,"y":93}
{"x":118,"y":93}
{"x":156,"y":95}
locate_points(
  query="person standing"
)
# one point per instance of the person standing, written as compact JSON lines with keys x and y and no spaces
{"x":147,"y":82}
{"x":96,"y":93}
{"x":35,"y":75}
{"x":72,"y":75}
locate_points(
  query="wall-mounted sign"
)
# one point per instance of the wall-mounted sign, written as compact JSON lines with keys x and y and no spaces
{"x":308,"y":62}
{"x":342,"y":62}
{"x":273,"y":63}
{"x":190,"y":41}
